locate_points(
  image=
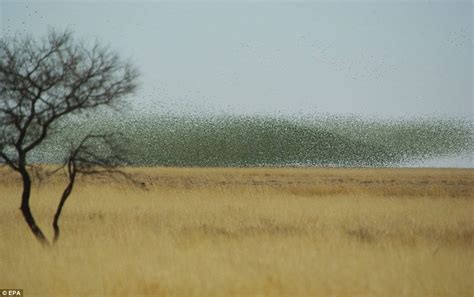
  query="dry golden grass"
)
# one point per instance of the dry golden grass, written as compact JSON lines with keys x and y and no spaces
{"x":247,"y":232}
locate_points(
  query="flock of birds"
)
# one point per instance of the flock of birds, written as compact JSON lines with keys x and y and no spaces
{"x":356,"y":66}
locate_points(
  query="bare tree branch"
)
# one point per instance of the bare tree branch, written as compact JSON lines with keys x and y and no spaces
{"x":86,"y":158}
{"x":42,"y":81}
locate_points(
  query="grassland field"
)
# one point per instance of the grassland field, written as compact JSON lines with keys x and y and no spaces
{"x":246,"y":232}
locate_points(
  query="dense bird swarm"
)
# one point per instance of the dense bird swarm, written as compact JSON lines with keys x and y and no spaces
{"x":239,"y":140}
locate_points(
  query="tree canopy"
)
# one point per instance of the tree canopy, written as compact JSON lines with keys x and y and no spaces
{"x":43,"y":81}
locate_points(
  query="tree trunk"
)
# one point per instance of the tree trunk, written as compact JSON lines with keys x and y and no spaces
{"x":25,"y":208}
{"x":64,"y":197}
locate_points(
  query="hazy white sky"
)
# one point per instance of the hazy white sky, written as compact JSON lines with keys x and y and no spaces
{"x":382,"y":58}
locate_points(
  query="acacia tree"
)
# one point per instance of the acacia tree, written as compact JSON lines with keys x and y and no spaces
{"x":43,"y":81}
{"x":86,"y":158}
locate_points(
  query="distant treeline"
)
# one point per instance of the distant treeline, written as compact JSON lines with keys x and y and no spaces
{"x":237,"y":140}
